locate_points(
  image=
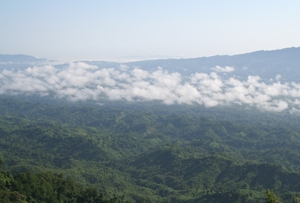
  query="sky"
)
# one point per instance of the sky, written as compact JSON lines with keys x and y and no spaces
{"x":115,"y":29}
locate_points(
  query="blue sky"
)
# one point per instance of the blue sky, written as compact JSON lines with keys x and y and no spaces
{"x":109,"y":30}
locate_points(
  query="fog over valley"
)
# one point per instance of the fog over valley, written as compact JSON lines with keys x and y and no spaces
{"x":208,"y":85}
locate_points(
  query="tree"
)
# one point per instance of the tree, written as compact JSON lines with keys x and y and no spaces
{"x":272,"y":198}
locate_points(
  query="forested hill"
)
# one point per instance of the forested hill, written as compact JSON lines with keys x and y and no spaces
{"x":152,"y":152}
{"x":46,"y":187}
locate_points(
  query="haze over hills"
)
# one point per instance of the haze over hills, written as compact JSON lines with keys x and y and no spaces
{"x":266,"y":64}
{"x":267,"y":80}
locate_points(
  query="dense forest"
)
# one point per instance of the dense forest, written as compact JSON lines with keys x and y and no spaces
{"x":46,"y":187}
{"x":145,"y":152}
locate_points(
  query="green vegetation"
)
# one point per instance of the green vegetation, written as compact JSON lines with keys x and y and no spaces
{"x":146,"y":152}
{"x":46,"y":188}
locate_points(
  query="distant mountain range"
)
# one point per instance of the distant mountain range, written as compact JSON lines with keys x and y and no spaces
{"x":265,"y":64}
{"x":18,"y":58}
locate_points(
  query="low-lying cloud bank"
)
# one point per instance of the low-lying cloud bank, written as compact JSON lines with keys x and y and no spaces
{"x":80,"y":81}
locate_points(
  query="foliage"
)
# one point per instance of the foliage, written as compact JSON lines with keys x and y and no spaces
{"x":272,"y":198}
{"x":146,"y":152}
{"x":46,"y":187}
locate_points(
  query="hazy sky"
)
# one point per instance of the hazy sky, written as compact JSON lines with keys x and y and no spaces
{"x":111,"y":29}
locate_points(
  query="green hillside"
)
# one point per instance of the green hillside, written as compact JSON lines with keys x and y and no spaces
{"x":152,"y":152}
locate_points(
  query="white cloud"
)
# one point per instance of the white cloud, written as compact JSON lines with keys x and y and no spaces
{"x":278,"y":77}
{"x":80,"y":81}
{"x":139,"y":74}
{"x":123,"y":67}
{"x":225,"y":69}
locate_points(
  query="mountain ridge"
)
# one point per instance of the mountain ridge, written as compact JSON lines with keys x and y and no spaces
{"x":288,"y":50}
